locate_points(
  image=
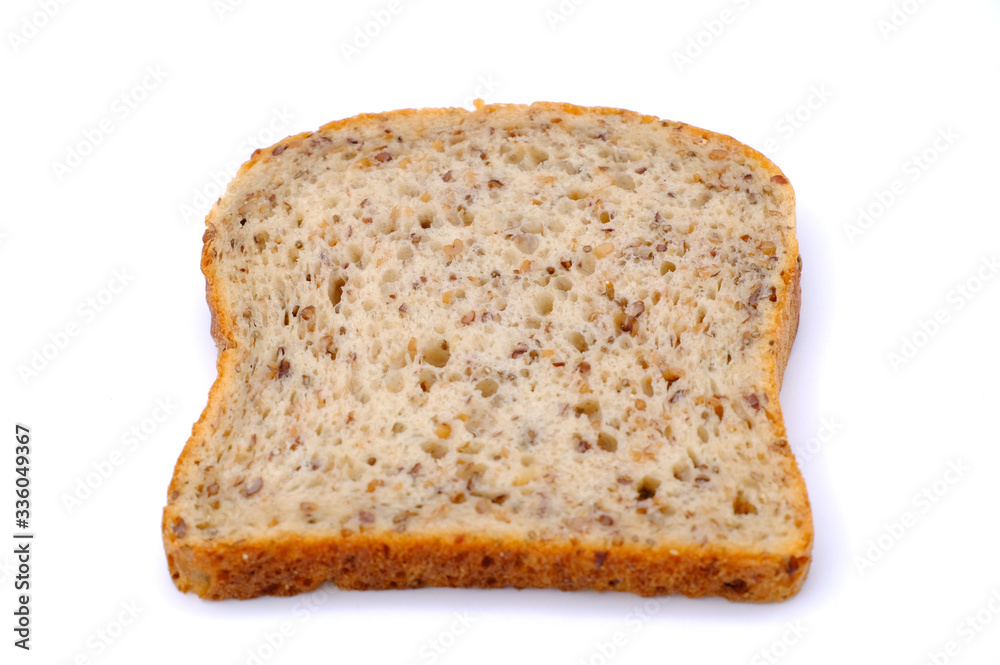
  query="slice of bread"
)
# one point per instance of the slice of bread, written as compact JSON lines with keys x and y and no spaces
{"x":529,"y":346}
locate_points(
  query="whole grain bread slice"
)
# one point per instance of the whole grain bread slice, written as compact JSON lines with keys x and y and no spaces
{"x":529,"y":346}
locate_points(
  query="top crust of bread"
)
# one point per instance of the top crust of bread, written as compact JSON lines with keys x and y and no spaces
{"x":290,"y":561}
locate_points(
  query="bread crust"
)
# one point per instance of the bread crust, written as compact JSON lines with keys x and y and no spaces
{"x":292,"y":563}
{"x":295,"y":564}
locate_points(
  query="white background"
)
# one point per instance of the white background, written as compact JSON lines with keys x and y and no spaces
{"x":838,"y":96}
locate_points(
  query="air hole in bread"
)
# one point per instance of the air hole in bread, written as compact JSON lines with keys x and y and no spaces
{"x":606,"y":441}
{"x":437,"y":353}
{"x":435,"y":449}
{"x":648,"y":487}
{"x":337,"y":290}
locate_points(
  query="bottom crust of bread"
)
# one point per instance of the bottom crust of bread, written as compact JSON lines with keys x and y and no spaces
{"x":294,"y":565}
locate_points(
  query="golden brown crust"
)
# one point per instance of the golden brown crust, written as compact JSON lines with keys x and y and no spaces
{"x":294,"y":564}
